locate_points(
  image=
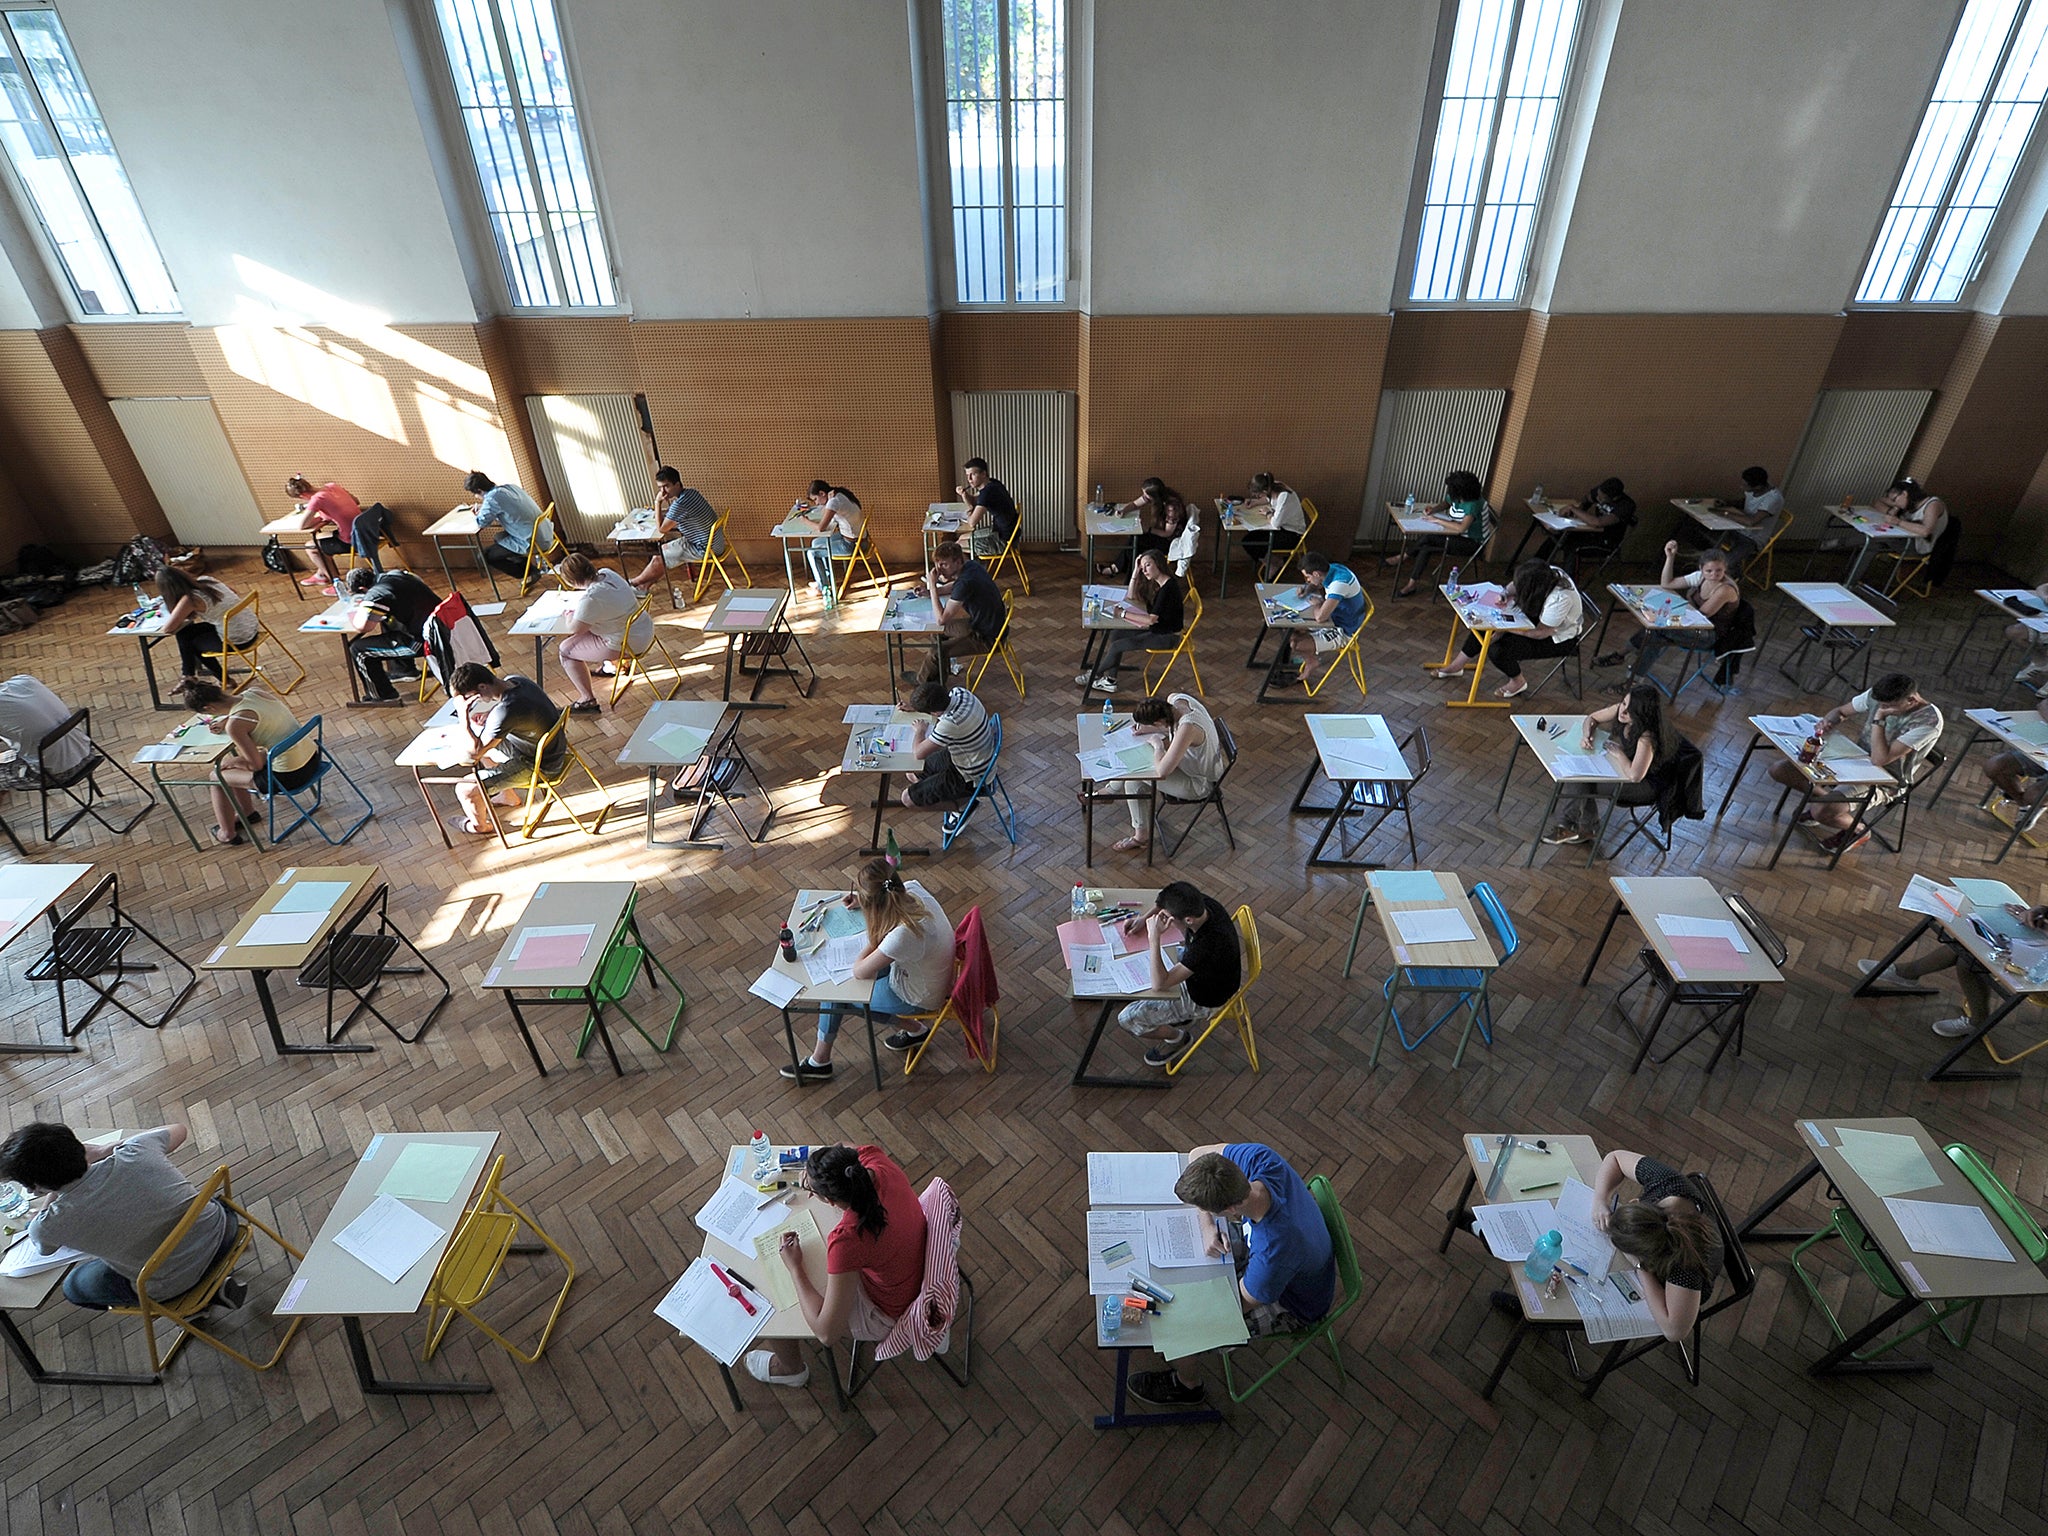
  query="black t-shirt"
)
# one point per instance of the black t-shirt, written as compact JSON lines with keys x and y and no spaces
{"x":1168,"y":608}
{"x":522,"y":716}
{"x":403,"y":602}
{"x":1210,"y":954}
{"x":995,"y":499}
{"x":1660,"y":1181}
{"x":975,"y":590}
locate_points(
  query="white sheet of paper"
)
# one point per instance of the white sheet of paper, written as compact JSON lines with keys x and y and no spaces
{"x":1133,"y":972}
{"x":1584,"y":1244}
{"x":487,"y":610}
{"x":1609,"y":1314}
{"x":1116,"y":1250}
{"x":1511,"y":1229}
{"x":158,"y":752}
{"x":867,"y":714}
{"x":1706,"y":928}
{"x":1936,"y":1226}
{"x":1361,"y":757}
{"x":833,"y":960}
{"x":701,"y":1309}
{"x":1433,"y":925}
{"x":282,"y":928}
{"x":1094,"y":970}
{"x":1583,"y":765}
{"x":390,"y":1236}
{"x":774,"y":987}
{"x":1133,"y":1178}
{"x":25,"y":1259}
{"x":1930,"y":898}
{"x":750,"y":605}
{"x":1173,"y":1239}
{"x":734,"y":1215}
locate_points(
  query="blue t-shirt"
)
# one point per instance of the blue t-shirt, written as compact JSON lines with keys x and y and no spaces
{"x":512,"y":510}
{"x":1290,"y":1260}
{"x":1339,"y":582}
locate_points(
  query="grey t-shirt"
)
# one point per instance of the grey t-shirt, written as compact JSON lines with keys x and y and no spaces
{"x":124,"y":1206}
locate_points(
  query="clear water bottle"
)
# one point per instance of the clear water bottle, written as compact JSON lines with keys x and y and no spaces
{"x":1452,"y":580}
{"x":1410,"y":505}
{"x":1543,"y":1257}
{"x":141,"y":600}
{"x":1108,"y":717}
{"x":1536,"y":496}
{"x":1100,"y":499}
{"x":1080,"y":898}
{"x":764,"y":1159}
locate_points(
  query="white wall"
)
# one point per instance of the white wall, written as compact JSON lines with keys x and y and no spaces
{"x":17,"y":310}
{"x":759,"y":157}
{"x":1254,"y":157}
{"x":280,"y":132}
{"x":1744,"y":152}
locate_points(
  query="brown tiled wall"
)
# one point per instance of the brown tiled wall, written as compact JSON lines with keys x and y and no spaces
{"x":138,"y":498}
{"x":141,"y":359}
{"x":1895,"y":349}
{"x":1455,"y":348}
{"x":52,"y":458}
{"x":987,"y":350}
{"x":1993,"y":434}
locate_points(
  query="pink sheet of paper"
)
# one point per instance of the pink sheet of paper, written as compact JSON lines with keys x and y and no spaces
{"x":1086,"y":930}
{"x":1081,"y":931}
{"x":551,"y":952}
{"x":1703,"y":953}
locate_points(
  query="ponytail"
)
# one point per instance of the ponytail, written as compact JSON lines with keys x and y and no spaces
{"x":838,"y":1175}
{"x":1661,"y":1240}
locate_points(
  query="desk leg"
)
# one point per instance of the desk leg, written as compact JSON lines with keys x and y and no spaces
{"x":1867,"y":987}
{"x":433,"y":810}
{"x":1456,"y":1217}
{"x":1785,"y":837}
{"x":277,"y":1039}
{"x":1507,"y":1353}
{"x":795,"y":1061}
{"x":539,"y":658}
{"x":487,"y":568}
{"x":19,"y":1346}
{"x":725,"y":692}
{"x":149,"y":643}
{"x":525,"y":1033}
{"x":1946,"y":1070}
{"x":1838,"y":1361}
{"x":441,"y":553}
{"x":368,"y":1379}
{"x":1088,"y":823}
{"x":1544,"y":825}
{"x":1513,"y":752}
{"x":590,"y":1001}
{"x":1598,"y":949}
{"x":1751,"y":1230}
{"x":882,"y":802}
{"x":1120,"y":1417}
{"x":867,"y":1012}
{"x":1084,"y":1079}
{"x":1756,"y":740}
{"x":1472,"y":699}
{"x":731,"y":1387}
{"x":1336,"y":816}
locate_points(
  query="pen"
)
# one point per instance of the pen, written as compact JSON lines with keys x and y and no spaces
{"x":1535,"y":1188}
{"x":780,"y":1185}
{"x":732,"y":1290}
{"x":1568,"y":1264}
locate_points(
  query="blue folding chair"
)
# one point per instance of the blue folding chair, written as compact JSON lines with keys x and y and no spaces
{"x":268,"y":786}
{"x":987,"y":787}
{"x":1469,"y":988}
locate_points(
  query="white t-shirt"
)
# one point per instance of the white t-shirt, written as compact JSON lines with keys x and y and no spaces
{"x":606,"y":604}
{"x":921,"y":964}
{"x":28,"y":713}
{"x":1563,"y":612}
{"x":841,"y":517}
{"x":1917,"y":731}
{"x":1287,"y":513}
{"x":242,"y":631}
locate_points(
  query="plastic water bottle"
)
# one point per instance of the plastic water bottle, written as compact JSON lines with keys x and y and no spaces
{"x":1543,"y":1257}
{"x":1112,"y":1317}
{"x":1452,"y":580}
{"x":1108,"y":717}
{"x":1080,"y":898}
{"x":1410,"y":504}
{"x":764,"y":1160}
{"x":1100,"y":499}
{"x":1536,"y":496}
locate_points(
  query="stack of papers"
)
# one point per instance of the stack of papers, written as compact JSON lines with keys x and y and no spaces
{"x":428,"y":1171}
{"x":833,"y":960}
{"x":25,"y":1259}
{"x":737,"y":1213}
{"x":1930,"y":899}
{"x":1432,"y":925}
{"x":774,"y":987}
{"x":390,"y":1237}
{"x":699,"y":1307}
{"x":1957,"y":1231}
{"x":773,"y":1272}
{"x":1583,"y":765}
{"x":1613,"y":1309}
{"x":867,"y":714}
{"x":1704,"y":943}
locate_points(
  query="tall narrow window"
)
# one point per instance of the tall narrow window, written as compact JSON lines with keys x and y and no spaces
{"x":1985,"y":104}
{"x":512,"y":85}
{"x":1006,"y":139}
{"x":1503,"y":92}
{"x":59,"y":148}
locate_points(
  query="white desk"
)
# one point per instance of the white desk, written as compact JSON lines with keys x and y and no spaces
{"x":550,"y":614}
{"x":674,"y":735}
{"x":461,"y":524}
{"x":1359,"y":755}
{"x":1841,"y":613}
{"x":1556,"y":742}
{"x":1844,"y":765}
{"x":1476,"y":610}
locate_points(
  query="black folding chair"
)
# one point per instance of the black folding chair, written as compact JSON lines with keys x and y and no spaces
{"x":85,"y":776}
{"x":714,"y":779}
{"x":1837,"y":645}
{"x":1724,"y":1005}
{"x":1215,"y":797}
{"x":357,"y":957}
{"x":85,"y":952}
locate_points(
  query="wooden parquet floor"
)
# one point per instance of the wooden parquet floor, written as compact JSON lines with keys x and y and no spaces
{"x":621,"y":1428}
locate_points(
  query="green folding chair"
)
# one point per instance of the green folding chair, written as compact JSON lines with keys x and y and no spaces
{"x":1349,"y":1286}
{"x":2024,"y":1229}
{"x":624,"y":956}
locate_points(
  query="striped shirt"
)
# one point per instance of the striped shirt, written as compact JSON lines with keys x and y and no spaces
{"x":963,"y":730}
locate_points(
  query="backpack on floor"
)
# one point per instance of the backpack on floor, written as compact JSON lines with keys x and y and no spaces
{"x":139,"y":561}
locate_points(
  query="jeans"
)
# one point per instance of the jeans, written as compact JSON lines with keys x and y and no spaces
{"x":96,"y":1286}
{"x":1510,"y":650}
{"x":1144,"y":640}
{"x":373,"y":655}
{"x":883,"y":1003}
{"x":194,"y":640}
{"x":819,"y":556}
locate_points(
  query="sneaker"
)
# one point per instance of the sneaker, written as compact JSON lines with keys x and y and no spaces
{"x":761,"y":1366}
{"x":807,"y":1071}
{"x":905,"y":1039}
{"x":586,"y":707}
{"x":1845,"y":842}
{"x":1083,"y":679}
{"x":1163,"y":1389}
{"x":951,"y":822}
{"x":1105,"y":685}
{"x":315,"y":580}
{"x":959,"y":667}
{"x":1167,"y":1052}
{"x":376,"y":703}
{"x":1953,"y":1029}
{"x":1889,"y":977}
{"x":233,"y":1294}
{"x":1505,"y":1303}
{"x":1559,"y":836}
{"x":1611,"y":659}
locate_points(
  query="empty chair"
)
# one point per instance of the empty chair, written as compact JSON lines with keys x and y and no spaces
{"x":487,"y":1234}
{"x":79,"y":782}
{"x":88,"y":952}
{"x":1470,"y":989}
{"x":1724,"y":1006}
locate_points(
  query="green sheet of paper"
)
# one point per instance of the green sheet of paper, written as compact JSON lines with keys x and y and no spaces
{"x":1407,"y":885}
{"x":1986,"y":893}
{"x":311,"y":896}
{"x":771,"y":1274}
{"x":840,"y":922}
{"x":428,"y":1171}
{"x":1530,"y":1167}
{"x":679,"y":740}
{"x":1204,"y":1314}
{"x":1889,"y":1163}
{"x":1358,"y":729}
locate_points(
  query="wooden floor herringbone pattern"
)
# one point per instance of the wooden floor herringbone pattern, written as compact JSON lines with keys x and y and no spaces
{"x":621,"y":1428}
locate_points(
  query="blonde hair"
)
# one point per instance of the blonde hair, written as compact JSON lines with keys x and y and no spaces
{"x":579,"y":570}
{"x":885,"y":901}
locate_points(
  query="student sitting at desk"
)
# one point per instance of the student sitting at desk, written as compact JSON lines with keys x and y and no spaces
{"x":1640,"y":740}
{"x":1971,"y":977}
{"x":2034,"y":671}
{"x":908,"y":956}
{"x":1603,"y":517}
{"x":1162,"y":514}
{"x":1290,"y":519}
{"x":1465,"y":521}
{"x":1898,"y":728}
{"x":1906,"y":502}
{"x":683,"y":522}
{"x":1155,"y":599}
{"x":328,"y":507}
{"x":2018,"y":777}
{"x":1761,"y":511}
{"x":992,"y":512}
{"x":835,"y":511}
{"x":193,"y":606}
{"x":1710,"y":589}
{"x":1545,"y":594}
{"x":512,"y":512}
{"x":1186,"y":754}
{"x":1335,"y":596}
{"x":601,"y":618}
{"x":1203,"y":979}
{"x":390,"y":627}
{"x":518,"y":713}
{"x":874,"y":1258}
{"x":955,"y":746}
{"x":970,"y":608}
{"x":1278,"y":1242}
{"x":117,"y":1203}
{"x":29,"y":711}
{"x":254,"y":721}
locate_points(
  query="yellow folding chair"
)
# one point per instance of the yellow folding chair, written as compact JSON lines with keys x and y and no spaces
{"x":544,"y":551}
{"x":637,"y":662}
{"x":1347,"y":655}
{"x":1000,"y":646}
{"x":1185,"y":648}
{"x":717,"y":550}
{"x":473,"y":1261}
{"x":867,"y":556}
{"x":1767,"y":556}
{"x":1236,"y":1009}
{"x":934,"y":1023}
{"x":1309,"y":515}
{"x":1014,"y":556}
{"x":547,"y":790}
{"x":249,"y":658}
{"x":184,"y":1311}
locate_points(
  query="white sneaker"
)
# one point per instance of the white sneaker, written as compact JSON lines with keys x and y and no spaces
{"x":1105,"y":685}
{"x":1083,"y":679}
{"x":1890,"y":978}
{"x":761,"y":1366}
{"x":1953,"y":1029}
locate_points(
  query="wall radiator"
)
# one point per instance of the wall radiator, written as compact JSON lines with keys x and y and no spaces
{"x":1422,"y":435}
{"x":1028,"y":437}
{"x":1854,"y":443}
{"x":184,"y":453}
{"x":595,"y":458}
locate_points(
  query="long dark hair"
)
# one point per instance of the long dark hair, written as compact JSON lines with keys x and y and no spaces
{"x":1535,"y":580}
{"x":837,"y":1174}
{"x":1662,"y":1240}
{"x":1647,"y":717}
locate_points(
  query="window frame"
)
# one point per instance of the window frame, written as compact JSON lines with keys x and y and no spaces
{"x":1568,"y":108}
{"x":463,"y":158}
{"x":945,"y":239}
{"x":52,"y":251}
{"x":2002,"y":216}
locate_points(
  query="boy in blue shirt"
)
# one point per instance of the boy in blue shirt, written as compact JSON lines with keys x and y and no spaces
{"x":1287,"y":1269}
{"x":1336,"y":596}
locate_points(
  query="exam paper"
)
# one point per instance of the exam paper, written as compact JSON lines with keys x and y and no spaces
{"x":282,"y":928}
{"x":1173,"y":1238}
{"x":312,"y":896}
{"x":1610,"y":1313}
{"x":1116,"y":1250}
{"x":25,"y":1259}
{"x":1407,"y":885}
{"x":772,"y":1273}
{"x":701,"y":1309}
{"x":679,"y":740}
{"x":1094,"y":970}
{"x":1583,"y":765}
{"x":1584,"y":1244}
{"x":833,"y":960}
{"x":1511,"y":1229}
{"x":1936,"y":1226}
{"x":551,"y":948}
{"x":1705,"y":928}
{"x":1433,"y":925}
{"x":158,"y":752}
{"x":1133,"y":1178}
{"x":1889,"y":1163}
{"x":774,"y":987}
{"x":428,"y":1171}
{"x":867,"y":714}
{"x":390,"y":1237}
{"x":735,"y":1215}
{"x":1930,"y":899}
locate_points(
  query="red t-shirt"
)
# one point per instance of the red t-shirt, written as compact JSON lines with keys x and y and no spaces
{"x":337,"y":506}
{"x":891,"y":1267}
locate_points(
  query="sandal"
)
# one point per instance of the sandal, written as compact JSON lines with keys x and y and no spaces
{"x":1129,"y":844}
{"x":1510,"y":691}
{"x":227,"y":842}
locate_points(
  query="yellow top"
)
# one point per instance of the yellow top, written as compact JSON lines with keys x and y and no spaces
{"x":272,"y":721}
